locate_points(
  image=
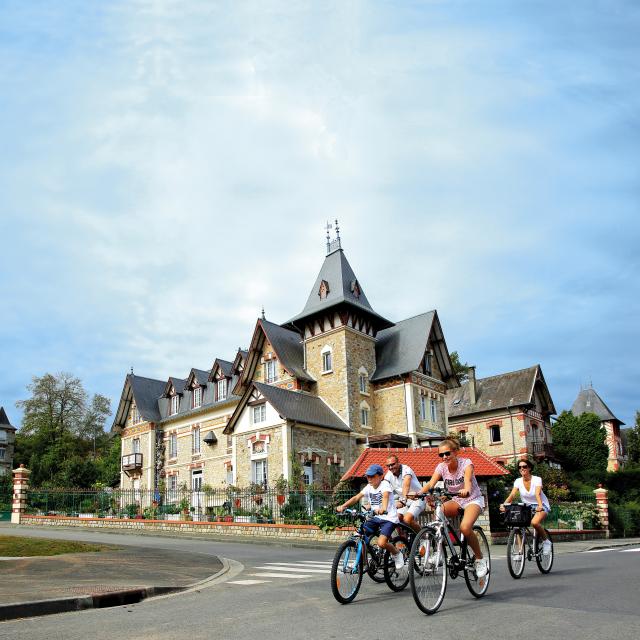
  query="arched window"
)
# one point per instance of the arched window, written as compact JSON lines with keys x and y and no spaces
{"x":363,"y":380}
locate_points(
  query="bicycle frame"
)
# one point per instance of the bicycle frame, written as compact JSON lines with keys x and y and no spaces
{"x":457,"y":561}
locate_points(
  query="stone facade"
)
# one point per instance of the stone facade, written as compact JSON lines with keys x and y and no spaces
{"x":390,"y":407}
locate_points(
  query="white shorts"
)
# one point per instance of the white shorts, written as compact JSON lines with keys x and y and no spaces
{"x":414,"y":507}
{"x":479,"y":501}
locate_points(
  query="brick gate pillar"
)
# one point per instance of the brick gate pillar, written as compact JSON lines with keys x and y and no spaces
{"x":20,"y":488}
{"x":602,"y":502}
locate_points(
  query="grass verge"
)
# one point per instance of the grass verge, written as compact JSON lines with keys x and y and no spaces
{"x":15,"y":546}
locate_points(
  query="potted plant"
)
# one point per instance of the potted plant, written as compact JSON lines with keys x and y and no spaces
{"x":257,"y":491}
{"x":184,"y":507}
{"x":172,"y":512}
{"x":281,"y":486}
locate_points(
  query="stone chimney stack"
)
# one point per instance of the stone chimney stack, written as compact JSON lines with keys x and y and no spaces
{"x":472,"y":385}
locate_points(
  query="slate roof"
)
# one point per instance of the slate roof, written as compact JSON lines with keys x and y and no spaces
{"x":400,"y":348}
{"x":588,"y":401}
{"x":301,"y":407}
{"x":201,"y":376}
{"x":4,"y":420}
{"x":178,"y":384}
{"x":146,"y":393}
{"x":423,"y":461}
{"x":225,"y":366}
{"x":337,"y":272}
{"x":496,"y":392}
{"x":288,"y":347}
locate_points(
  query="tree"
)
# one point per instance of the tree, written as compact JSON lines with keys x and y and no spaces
{"x":459,"y":368}
{"x":633,"y":441}
{"x":580,"y":443}
{"x":62,"y":433}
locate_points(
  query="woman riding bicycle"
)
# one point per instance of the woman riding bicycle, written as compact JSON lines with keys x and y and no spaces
{"x":530,"y":489}
{"x":459,"y":478}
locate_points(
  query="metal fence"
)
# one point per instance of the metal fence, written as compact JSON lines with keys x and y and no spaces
{"x":308,"y":506}
{"x":6,"y":499}
{"x":243,"y":505}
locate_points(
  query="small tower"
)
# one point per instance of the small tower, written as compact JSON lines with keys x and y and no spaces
{"x":339,"y":329}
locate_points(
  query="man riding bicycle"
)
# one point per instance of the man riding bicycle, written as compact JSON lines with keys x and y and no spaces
{"x":405,"y":483}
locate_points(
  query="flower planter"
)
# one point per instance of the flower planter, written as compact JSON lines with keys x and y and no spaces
{"x":243,"y":519}
{"x":173,"y":516}
{"x":280,"y":499}
{"x":86,"y":515}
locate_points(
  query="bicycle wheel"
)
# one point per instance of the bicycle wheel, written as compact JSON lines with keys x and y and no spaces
{"x":516,"y":553}
{"x":543,"y":560}
{"x":397,"y":579}
{"x":478,"y":586}
{"x":428,"y":571}
{"x":375,"y":569}
{"x":346,"y":572}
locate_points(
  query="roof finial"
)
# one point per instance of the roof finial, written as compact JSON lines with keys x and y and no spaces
{"x":131,"y":370}
{"x":337,"y":232}
{"x":328,"y":228}
{"x":263,"y":316}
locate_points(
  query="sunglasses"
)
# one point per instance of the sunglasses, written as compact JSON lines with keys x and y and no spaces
{"x":393,"y":464}
{"x":445,"y":454}
{"x":522,"y":466}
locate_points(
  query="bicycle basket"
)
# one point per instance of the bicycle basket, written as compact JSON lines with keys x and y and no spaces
{"x":518,"y":515}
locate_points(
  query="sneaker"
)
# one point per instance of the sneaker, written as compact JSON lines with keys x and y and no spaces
{"x":546,"y":547}
{"x":398,"y":559}
{"x":481,"y":568}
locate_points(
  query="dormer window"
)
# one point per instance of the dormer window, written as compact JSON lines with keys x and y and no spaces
{"x":197,"y":397}
{"x":270,"y":371}
{"x":221,"y":389}
{"x":136,"y":418}
{"x":174,"y":403}
{"x":355,"y":289}
{"x":428,"y":369}
{"x":323,"y":291}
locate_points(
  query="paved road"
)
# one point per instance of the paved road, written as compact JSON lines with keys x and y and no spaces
{"x":275,"y":594}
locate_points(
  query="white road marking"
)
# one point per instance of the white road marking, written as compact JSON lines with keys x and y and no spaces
{"x":279,"y":575}
{"x":599,"y":550}
{"x":247,"y":582}
{"x":629,"y":550}
{"x":273,"y":566}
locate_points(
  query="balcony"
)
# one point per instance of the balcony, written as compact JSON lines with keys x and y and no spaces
{"x":132,"y":462}
{"x":541,"y":449}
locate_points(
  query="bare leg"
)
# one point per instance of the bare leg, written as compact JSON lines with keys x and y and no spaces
{"x":471,"y":513}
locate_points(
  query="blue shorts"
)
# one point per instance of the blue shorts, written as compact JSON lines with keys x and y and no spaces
{"x":380,"y":526}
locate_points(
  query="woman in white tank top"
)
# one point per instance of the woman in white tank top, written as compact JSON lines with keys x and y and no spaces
{"x":530,"y":489}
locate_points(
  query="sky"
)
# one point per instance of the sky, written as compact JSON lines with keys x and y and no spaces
{"x":168,"y":167}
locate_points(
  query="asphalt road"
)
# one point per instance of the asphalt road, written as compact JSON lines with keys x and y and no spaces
{"x":275,"y":592}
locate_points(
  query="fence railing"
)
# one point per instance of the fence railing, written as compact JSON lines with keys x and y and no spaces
{"x":6,"y":499}
{"x":244,"y":505}
{"x":582,"y":513}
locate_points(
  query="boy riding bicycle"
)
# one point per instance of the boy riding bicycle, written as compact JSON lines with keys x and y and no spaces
{"x":379,"y":493}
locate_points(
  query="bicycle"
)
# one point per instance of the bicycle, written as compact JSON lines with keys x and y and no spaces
{"x":434,"y":557}
{"x":358,"y":555}
{"x":523,"y":545}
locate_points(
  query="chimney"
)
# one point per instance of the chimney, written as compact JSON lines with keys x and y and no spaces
{"x":472,"y":385}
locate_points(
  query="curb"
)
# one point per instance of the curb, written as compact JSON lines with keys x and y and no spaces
{"x":102,"y":600}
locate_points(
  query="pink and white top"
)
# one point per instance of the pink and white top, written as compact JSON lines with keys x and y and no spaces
{"x":454,"y":482}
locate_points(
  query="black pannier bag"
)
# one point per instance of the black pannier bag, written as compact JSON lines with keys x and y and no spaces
{"x":518,"y":515}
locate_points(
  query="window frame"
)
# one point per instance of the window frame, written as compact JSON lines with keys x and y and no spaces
{"x":492,"y":431}
{"x":433,"y":410}
{"x":262,"y":409}
{"x":174,"y":404}
{"x":221,"y":384}
{"x":270,"y":376}
{"x":327,"y":359}
{"x":196,"y":397}
{"x":196,"y":442}
{"x":423,"y":407}
{"x":135,"y":445}
{"x":173,"y":445}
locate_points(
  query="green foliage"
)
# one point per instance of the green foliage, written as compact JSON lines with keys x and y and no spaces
{"x":326,"y":519}
{"x":295,"y":510}
{"x":460,"y":369}
{"x":633,"y":441}
{"x":62,"y":438}
{"x":131,"y":510}
{"x":579,"y":442}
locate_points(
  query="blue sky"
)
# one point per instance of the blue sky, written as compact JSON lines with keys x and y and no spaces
{"x":168,"y":167}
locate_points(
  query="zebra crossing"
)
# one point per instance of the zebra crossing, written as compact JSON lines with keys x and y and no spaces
{"x":635,"y":550}
{"x":269,"y":571}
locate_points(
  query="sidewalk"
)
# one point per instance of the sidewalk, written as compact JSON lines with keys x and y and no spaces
{"x":42,"y":585}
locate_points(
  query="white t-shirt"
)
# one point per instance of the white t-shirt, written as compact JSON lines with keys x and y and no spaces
{"x":397,"y":481}
{"x":374,"y":497}
{"x":529,"y":497}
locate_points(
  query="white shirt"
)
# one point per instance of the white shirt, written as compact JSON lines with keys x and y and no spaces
{"x":529,"y":497}
{"x":374,"y":496}
{"x":397,"y":481}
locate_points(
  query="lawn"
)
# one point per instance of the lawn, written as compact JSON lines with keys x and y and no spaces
{"x":14,"y":546}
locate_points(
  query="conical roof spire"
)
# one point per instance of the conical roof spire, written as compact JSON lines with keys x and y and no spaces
{"x":336,"y":285}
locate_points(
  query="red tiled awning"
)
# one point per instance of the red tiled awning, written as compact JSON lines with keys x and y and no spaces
{"x":423,"y":461}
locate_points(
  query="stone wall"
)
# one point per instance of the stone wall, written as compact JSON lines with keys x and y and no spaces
{"x":337,"y":444}
{"x":361,"y":354}
{"x":390,"y":406}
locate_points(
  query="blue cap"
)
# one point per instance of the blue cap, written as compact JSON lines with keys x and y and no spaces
{"x":374,"y":470}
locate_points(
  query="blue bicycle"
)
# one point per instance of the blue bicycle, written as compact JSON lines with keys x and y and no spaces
{"x":359,"y":555}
